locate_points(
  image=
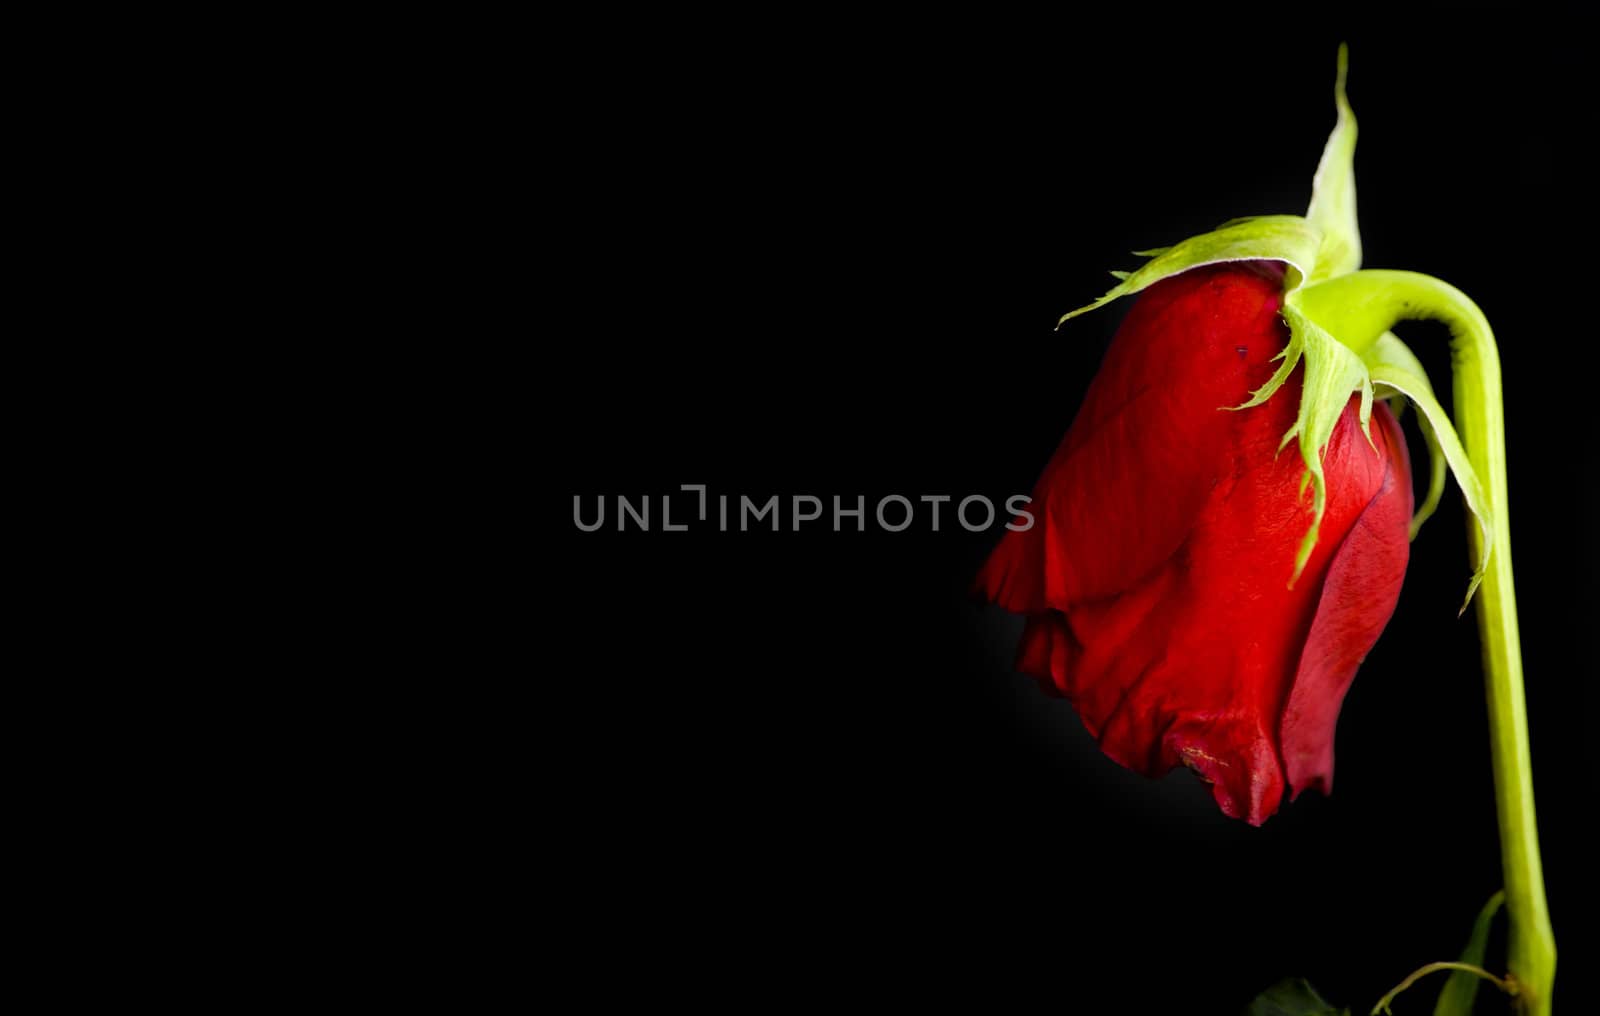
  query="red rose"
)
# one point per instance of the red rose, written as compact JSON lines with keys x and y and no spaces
{"x":1156,"y":578}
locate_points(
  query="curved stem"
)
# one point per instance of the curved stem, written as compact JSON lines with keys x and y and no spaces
{"x":1508,"y":986}
{"x":1363,"y":305}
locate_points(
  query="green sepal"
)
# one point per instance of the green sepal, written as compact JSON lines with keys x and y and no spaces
{"x":1389,"y":349}
{"x":1332,"y":372}
{"x":1323,"y":244}
{"x":1458,"y":993}
{"x":1416,"y":388}
{"x":1287,"y":238}
{"x":1333,"y":189}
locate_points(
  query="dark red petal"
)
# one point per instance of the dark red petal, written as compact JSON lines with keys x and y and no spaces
{"x":1358,"y":598}
{"x":1190,"y":345}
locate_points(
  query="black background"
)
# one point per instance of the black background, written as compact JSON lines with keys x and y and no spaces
{"x":826,"y":258}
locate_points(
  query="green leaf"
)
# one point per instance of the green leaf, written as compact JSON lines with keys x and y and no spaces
{"x":1333,"y":190}
{"x":1292,"y":996}
{"x":1462,"y":988}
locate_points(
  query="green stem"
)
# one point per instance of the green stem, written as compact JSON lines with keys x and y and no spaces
{"x":1508,"y":987}
{"x":1358,"y":308}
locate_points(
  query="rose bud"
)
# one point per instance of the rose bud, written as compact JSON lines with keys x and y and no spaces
{"x":1156,"y":577}
{"x":1202,"y":595}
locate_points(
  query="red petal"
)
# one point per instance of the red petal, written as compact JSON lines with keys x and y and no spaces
{"x":1190,"y":345}
{"x":1195,"y":665}
{"x":1358,"y":598}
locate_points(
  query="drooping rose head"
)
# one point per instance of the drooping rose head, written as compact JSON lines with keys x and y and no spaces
{"x":1159,"y":579}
